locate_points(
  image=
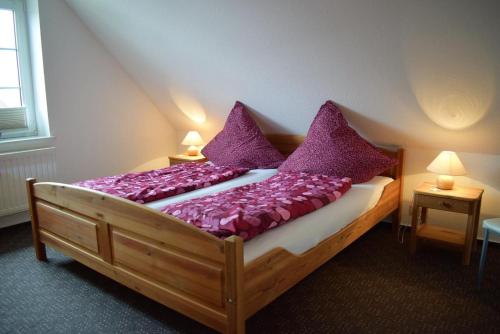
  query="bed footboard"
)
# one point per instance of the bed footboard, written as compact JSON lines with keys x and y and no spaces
{"x":153,"y":253}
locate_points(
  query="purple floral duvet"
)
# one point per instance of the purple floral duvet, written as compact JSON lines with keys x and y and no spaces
{"x":252,"y":209}
{"x":153,"y":185}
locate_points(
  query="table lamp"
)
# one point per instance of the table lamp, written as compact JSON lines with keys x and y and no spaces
{"x":447,"y":164}
{"x":192,"y":139}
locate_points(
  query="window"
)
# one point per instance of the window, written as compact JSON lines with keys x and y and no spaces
{"x":17,"y":110}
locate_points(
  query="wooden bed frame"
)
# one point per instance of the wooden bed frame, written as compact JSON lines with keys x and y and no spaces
{"x":177,"y":264}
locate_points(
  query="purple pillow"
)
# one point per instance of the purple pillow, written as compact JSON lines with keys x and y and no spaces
{"x":242,"y":144}
{"x":333,"y":148}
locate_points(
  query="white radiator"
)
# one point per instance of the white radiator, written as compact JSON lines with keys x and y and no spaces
{"x":15,"y":168}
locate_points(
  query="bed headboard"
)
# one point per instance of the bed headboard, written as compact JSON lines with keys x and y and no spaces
{"x":286,"y":144}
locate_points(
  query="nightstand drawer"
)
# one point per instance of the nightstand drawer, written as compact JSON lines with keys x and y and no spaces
{"x":441,"y":203}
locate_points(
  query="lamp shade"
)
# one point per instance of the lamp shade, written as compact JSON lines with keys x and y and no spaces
{"x":447,"y":163}
{"x":192,"y":138}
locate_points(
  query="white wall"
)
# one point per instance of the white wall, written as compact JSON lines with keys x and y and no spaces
{"x":421,"y":74}
{"x":103,"y":122}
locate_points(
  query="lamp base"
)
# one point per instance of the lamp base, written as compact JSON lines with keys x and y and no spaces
{"x":192,"y":151}
{"x":445,"y":182}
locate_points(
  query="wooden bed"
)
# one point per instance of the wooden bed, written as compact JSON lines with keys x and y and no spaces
{"x":177,"y":264}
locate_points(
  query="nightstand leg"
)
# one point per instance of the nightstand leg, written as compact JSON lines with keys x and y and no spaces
{"x":414,"y":227}
{"x":423,"y":216}
{"x":476,"y":224}
{"x":469,"y":234}
{"x":396,"y":223}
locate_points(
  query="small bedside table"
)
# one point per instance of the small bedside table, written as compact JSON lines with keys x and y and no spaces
{"x":182,"y":158}
{"x":461,"y":200}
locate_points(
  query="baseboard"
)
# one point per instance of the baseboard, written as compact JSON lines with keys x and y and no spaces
{"x":14,"y":219}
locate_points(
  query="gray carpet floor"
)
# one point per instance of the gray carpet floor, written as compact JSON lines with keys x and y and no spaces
{"x":373,"y":286}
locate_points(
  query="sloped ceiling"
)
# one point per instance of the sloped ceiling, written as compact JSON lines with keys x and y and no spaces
{"x":414,"y":73}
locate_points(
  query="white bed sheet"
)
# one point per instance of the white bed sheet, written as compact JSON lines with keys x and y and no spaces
{"x":305,"y":232}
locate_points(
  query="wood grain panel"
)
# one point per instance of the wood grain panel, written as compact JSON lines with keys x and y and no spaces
{"x":462,"y":193}
{"x":70,"y":226}
{"x":234,"y":277}
{"x":441,"y":234}
{"x":199,"y":279}
{"x":40,"y":251}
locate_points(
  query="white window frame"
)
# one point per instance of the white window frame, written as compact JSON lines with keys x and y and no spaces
{"x":25,"y":71}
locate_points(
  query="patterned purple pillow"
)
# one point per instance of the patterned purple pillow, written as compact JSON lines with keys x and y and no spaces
{"x":242,"y":144}
{"x":333,"y":148}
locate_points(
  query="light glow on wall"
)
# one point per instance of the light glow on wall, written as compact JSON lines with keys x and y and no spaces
{"x":451,"y":103}
{"x":189,"y":106}
{"x":450,"y":68}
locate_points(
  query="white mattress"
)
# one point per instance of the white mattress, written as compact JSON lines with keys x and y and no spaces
{"x":305,"y":232}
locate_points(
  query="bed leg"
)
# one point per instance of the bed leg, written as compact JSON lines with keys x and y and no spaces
{"x":40,"y":251}
{"x":396,"y":222}
{"x":234,"y":271}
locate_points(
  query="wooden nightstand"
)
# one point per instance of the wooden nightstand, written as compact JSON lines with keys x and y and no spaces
{"x":182,"y":158}
{"x":461,"y":200}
